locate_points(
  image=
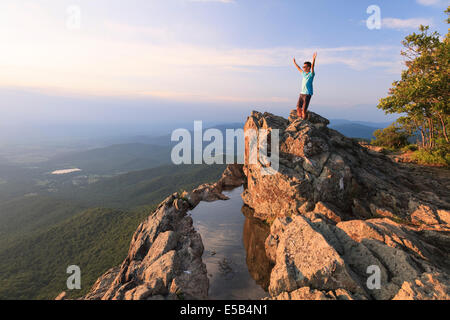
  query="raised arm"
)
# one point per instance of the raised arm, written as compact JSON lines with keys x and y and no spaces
{"x":298,"y":67}
{"x":314,"y":61}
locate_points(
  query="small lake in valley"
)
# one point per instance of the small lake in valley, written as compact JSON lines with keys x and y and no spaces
{"x":65,"y":171}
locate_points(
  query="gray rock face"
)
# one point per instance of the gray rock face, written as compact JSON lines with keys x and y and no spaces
{"x":310,"y":262}
{"x":164,"y":256}
{"x":337,"y":210}
{"x":327,"y":257}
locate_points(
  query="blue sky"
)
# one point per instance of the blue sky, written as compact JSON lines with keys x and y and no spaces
{"x":145,"y":61}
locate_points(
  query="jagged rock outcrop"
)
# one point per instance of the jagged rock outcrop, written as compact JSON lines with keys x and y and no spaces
{"x":164,"y":259}
{"x":320,"y":165}
{"x":337,"y":210}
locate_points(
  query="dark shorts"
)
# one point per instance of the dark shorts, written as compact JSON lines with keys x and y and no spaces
{"x":303,"y":101}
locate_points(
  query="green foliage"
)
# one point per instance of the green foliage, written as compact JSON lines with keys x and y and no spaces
{"x":95,"y":240}
{"x":410,"y":147}
{"x":422,"y":94}
{"x":138,"y":188}
{"x":437,"y":156}
{"x":391,"y":137}
{"x":21,"y":215}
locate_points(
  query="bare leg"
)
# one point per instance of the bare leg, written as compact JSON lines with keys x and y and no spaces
{"x":306,"y":106}
{"x":300,"y":107}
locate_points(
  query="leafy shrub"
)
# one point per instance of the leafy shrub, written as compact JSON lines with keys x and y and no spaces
{"x":392,"y":137}
{"x":410,"y":147}
{"x":438,"y":156}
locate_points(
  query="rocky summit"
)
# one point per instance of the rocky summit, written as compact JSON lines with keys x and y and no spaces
{"x":345,"y":222}
{"x":339,"y":211}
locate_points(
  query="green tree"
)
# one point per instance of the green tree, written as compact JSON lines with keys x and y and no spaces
{"x":391,"y":137}
{"x":422,"y":94}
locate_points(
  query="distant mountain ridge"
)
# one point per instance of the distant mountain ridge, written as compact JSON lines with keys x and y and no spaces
{"x":114,"y":159}
{"x":357,"y":129}
{"x":338,"y":122}
{"x":166,"y":139}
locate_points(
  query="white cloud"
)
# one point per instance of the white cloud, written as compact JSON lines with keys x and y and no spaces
{"x":432,"y":2}
{"x":401,"y":24}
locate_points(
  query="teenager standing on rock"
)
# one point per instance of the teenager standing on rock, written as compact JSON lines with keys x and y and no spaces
{"x":307,"y":86}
